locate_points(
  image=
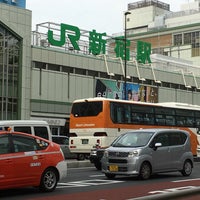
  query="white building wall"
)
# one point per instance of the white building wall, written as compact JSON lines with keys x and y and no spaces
{"x":182,"y":20}
{"x":60,"y":87}
{"x":143,"y":16}
{"x":191,"y":5}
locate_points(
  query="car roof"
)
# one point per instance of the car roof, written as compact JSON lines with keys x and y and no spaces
{"x":23,"y":134}
{"x":22,"y":122}
{"x":158,"y":130}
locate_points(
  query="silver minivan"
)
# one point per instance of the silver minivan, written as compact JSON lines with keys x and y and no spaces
{"x":148,"y":151}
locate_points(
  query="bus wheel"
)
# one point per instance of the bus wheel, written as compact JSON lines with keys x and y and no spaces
{"x":81,"y":156}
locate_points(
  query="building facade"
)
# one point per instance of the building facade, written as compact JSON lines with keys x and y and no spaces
{"x":174,"y":34}
{"x":39,"y":80}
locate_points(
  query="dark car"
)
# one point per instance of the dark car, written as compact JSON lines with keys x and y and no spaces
{"x":63,"y":141}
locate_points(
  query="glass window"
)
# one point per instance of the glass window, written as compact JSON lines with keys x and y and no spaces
{"x":162,"y":138}
{"x":40,"y":65}
{"x":10,"y":51}
{"x":177,"y":138}
{"x":133,"y":139}
{"x":41,"y":131}
{"x":87,"y":108}
{"x":4,"y":144}
{"x":53,"y":67}
{"x":131,"y":113}
{"x":142,"y":114}
{"x":24,"y":129}
{"x":60,"y":140}
{"x":178,"y":39}
{"x":25,"y":144}
{"x":164,"y":116}
{"x":185,"y":118}
{"x":187,"y":38}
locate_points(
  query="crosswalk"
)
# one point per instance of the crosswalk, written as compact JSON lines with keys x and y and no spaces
{"x":87,"y":183}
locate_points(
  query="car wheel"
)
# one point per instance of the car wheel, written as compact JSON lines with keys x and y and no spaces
{"x":110,"y":176}
{"x":81,"y":156}
{"x":49,"y":180}
{"x":145,"y":171}
{"x":187,"y":168}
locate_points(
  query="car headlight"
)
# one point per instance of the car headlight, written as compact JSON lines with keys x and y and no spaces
{"x":105,"y":154}
{"x":133,"y":153}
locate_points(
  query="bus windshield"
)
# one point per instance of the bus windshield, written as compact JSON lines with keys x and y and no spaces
{"x":83,"y":109}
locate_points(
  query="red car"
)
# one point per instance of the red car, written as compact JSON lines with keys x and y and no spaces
{"x":27,"y":160}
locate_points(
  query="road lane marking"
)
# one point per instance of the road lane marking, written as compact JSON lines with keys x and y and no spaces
{"x":186,"y":180}
{"x":172,"y":190}
{"x":86,"y":183}
{"x":100,"y":175}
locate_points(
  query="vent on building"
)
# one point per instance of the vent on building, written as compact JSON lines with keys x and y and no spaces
{"x":14,"y":1}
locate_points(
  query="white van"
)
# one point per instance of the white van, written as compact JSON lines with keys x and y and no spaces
{"x":39,"y":128}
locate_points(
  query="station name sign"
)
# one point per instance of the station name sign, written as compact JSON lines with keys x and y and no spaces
{"x":98,"y":41}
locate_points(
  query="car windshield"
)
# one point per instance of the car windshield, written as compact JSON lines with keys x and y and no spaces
{"x":133,"y":139}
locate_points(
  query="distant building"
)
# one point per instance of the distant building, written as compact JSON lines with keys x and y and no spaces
{"x":175,"y":34}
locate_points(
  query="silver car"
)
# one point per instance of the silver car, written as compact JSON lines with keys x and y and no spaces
{"x":147,"y":151}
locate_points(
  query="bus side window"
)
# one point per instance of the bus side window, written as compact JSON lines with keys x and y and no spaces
{"x":128,"y":114}
{"x":180,"y":121}
{"x":198,"y":122}
{"x":160,"y":119}
{"x":121,"y":115}
{"x":135,"y":118}
{"x":170,"y":120}
{"x":190,"y":121}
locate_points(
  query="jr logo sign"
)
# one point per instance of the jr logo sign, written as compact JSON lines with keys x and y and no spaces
{"x":74,"y":38}
{"x":97,"y":43}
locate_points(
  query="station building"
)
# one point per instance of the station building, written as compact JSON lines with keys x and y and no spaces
{"x":43,"y":71}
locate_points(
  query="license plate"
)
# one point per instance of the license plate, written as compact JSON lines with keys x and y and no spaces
{"x":113,"y":168}
{"x":85,"y":141}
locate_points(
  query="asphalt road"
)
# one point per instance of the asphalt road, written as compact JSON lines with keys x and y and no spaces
{"x":85,"y":183}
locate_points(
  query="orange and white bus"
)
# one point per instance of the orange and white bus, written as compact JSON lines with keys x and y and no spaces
{"x":98,"y":121}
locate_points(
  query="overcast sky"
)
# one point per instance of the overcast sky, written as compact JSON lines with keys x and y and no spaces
{"x":101,"y":15}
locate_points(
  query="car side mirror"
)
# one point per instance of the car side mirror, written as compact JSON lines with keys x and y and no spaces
{"x":156,"y":145}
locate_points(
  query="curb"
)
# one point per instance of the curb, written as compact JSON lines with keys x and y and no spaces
{"x":78,"y":164}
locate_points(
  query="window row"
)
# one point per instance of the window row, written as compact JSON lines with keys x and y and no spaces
{"x":149,"y":115}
